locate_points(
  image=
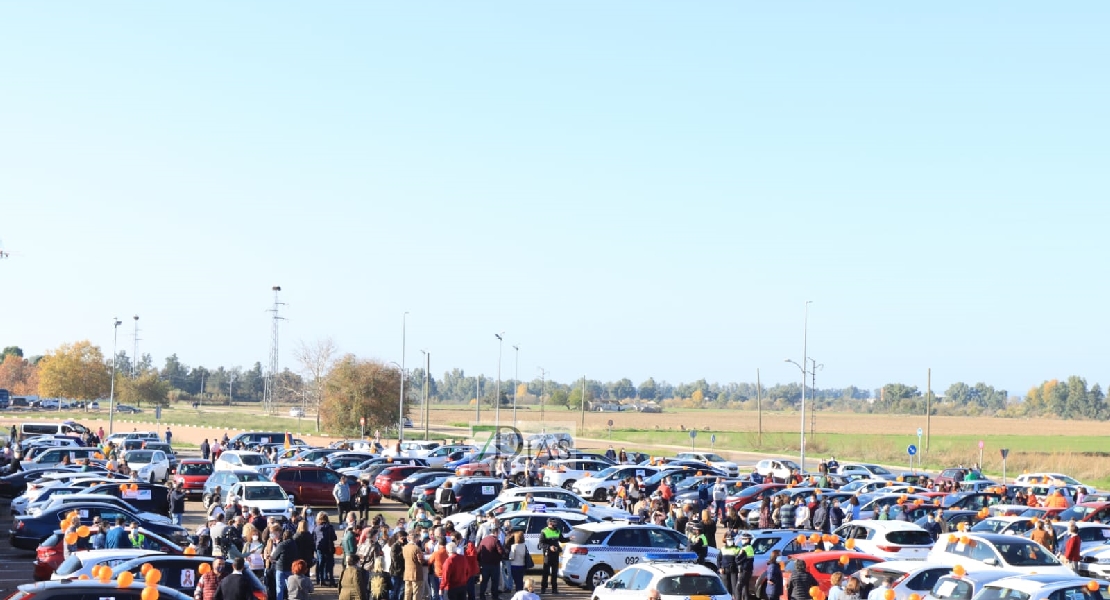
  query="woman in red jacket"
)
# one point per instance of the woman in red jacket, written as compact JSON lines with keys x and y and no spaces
{"x":1071,"y":548}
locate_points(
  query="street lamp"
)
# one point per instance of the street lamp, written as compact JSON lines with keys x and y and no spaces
{"x":805,"y":353}
{"x":543,"y":388}
{"x":401,"y":401}
{"x":115,"y":361}
{"x":135,"y":350}
{"x":497,"y":390}
{"x":516,"y":381}
{"x":427,"y":379}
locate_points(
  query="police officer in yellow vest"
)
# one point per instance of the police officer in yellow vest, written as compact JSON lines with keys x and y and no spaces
{"x":745,"y":561}
{"x":551,"y":538}
{"x":726,"y":563}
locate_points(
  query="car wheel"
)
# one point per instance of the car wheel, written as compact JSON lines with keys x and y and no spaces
{"x":601,"y":495}
{"x":152,"y":476}
{"x":598,"y":576}
{"x":519,"y":479}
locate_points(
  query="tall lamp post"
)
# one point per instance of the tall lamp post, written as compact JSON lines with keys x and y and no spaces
{"x":427,"y":378}
{"x":112,"y":389}
{"x":497,"y":390}
{"x":516,"y":380}
{"x":805,"y":353}
{"x":543,"y":388}
{"x":401,"y":400}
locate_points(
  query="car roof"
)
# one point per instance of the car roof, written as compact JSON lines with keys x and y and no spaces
{"x":603,"y":526}
{"x":676,"y":568}
{"x":909,"y":566}
{"x":241,"y":452}
{"x":998,"y":538}
{"x":193,"y":461}
{"x":568,"y":515}
{"x":1040,"y":582}
{"x":96,"y":554}
{"x":812,"y":557}
{"x":1008,"y":518}
{"x":890,"y":525}
{"x":257,"y":484}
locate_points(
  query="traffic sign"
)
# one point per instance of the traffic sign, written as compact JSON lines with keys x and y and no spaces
{"x":911,"y":450}
{"x":362,"y":421}
{"x":693,"y":433}
{"x":1004,"y":452}
{"x":713,"y":439}
{"x":610,"y":422}
{"x":919,"y":432}
{"x":980,"y":444}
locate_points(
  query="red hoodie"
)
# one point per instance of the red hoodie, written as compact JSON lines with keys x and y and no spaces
{"x":456,"y":572}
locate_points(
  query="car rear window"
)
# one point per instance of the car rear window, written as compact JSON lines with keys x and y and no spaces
{"x":583,"y":537}
{"x":195,"y":469}
{"x":909,"y":538}
{"x":690,"y":585}
{"x":951,"y":588}
{"x":1001,"y":593}
{"x":69,"y":566}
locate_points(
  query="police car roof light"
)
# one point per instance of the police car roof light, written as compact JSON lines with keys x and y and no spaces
{"x":670,"y":557}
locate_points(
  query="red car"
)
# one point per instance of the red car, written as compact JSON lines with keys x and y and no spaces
{"x":1091,"y":512}
{"x":312,"y":486}
{"x":50,"y":555}
{"x":477,"y":468}
{"x":823,"y":564}
{"x":384,"y":480}
{"x":191,"y":474}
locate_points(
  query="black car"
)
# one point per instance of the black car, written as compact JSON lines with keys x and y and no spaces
{"x":953,"y":518}
{"x":180,"y":572}
{"x":402,"y":490}
{"x":472,"y":492}
{"x":147,"y":497}
{"x":971,"y":500}
{"x":15,"y":484}
{"x":28,"y":532}
{"x":68,"y":589}
{"x":678,"y":474}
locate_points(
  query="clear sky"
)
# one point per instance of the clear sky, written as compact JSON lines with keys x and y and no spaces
{"x":627,"y":189}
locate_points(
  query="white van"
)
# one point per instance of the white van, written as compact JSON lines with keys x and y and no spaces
{"x":67,"y":428}
{"x":54,"y":456}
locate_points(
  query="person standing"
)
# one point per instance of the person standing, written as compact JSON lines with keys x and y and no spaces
{"x":414,"y":570}
{"x":1072,"y":548}
{"x":177,"y":502}
{"x":235,"y":586}
{"x":350,"y":581}
{"x":342,"y":494}
{"x":774,"y":577}
{"x":205,"y":449}
{"x":169,"y":437}
{"x":325,"y":551}
{"x":117,"y":536}
{"x":517,"y":551}
{"x":800,"y":582}
{"x":551,"y":540}
{"x":209,"y":584}
{"x":397,"y":565}
{"x":727,"y":564}
{"x":281,"y":561}
{"x":455,"y":574}
{"x":489,"y":564}
{"x":299,"y":585}
{"x":745,"y":563}
{"x":720,"y":494}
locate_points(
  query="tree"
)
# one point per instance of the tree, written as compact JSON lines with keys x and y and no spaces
{"x":316,"y":363}
{"x":18,"y":375}
{"x":356,"y":388}
{"x":647,"y":389}
{"x":558,"y":397}
{"x":145,"y":387}
{"x":75,"y":371}
{"x":574,"y":399}
{"x":11,"y":351}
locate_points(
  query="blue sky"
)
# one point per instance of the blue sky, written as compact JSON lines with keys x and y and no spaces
{"x":625,"y":188}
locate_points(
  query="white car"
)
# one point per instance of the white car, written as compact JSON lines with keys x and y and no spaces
{"x":674,"y":579}
{"x":1008,"y":525}
{"x":532,"y":523}
{"x":570,"y":499}
{"x":148,"y":465}
{"x":296,"y":412}
{"x":1044,"y":587}
{"x":596,"y":551}
{"x":232,"y":460}
{"x":269,"y":498}
{"x":82,"y":563}
{"x":911,"y":576}
{"x":415,"y":449}
{"x":963,"y":587}
{"x":1056,"y":479}
{"x":598,"y":486}
{"x":1091,"y":535}
{"x":565,"y":473}
{"x":713,"y":460}
{"x":498,"y":507}
{"x":868,"y":470}
{"x":779,"y":469}
{"x":888,"y":540}
{"x":1008,"y":552}
{"x":441,"y":455}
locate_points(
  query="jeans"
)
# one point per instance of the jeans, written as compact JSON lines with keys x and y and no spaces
{"x":491,"y":574}
{"x":325,"y":568}
{"x":719,"y":508}
{"x":471,"y":586}
{"x":397,"y":587}
{"x":281,"y":583}
{"x":177,"y":519}
{"x":433,"y":583}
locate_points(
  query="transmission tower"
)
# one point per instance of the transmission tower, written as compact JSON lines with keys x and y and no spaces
{"x":268,"y":390}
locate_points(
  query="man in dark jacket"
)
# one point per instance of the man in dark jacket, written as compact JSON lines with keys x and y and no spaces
{"x":551,"y":540}
{"x":745,"y":563}
{"x":836,"y":516}
{"x":490,"y":551}
{"x":800,"y":582}
{"x":397,"y":566}
{"x":786,"y":515}
{"x":177,"y":503}
{"x":281,"y":560}
{"x":727,"y":565}
{"x":235,"y":586}
{"x":820,"y":516}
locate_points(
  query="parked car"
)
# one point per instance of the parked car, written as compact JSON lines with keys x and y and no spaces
{"x":78,"y":563}
{"x":598,"y":485}
{"x":90,"y":588}
{"x":909,"y":576}
{"x":310,"y":486}
{"x":385,"y":480}
{"x":268,"y":497}
{"x":1008,"y":552}
{"x":889,"y":540}
{"x":191,"y":474}
{"x":149,"y":465}
{"x":401,"y":491}
{"x":869,"y":470}
{"x":296,"y":412}
{"x":472,"y":492}
{"x":225,"y":479}
{"x":780,"y":470}
{"x":966,"y":585}
{"x":148,"y":497}
{"x":1044,"y":587}
{"x":821,"y":565}
{"x":28,"y":532}
{"x":180,"y":572}
{"x":240,"y":459}
{"x":674,"y":577}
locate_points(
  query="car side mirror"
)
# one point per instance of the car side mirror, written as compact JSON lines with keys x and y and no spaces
{"x":991,"y":561}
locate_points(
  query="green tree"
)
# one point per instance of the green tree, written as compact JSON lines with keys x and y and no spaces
{"x":648,"y":389}
{"x":558,"y":397}
{"x":574,"y":399}
{"x":357,"y":388}
{"x":145,"y":388}
{"x":11,"y":351}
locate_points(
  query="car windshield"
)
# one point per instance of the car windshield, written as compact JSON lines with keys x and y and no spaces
{"x":139,"y":456}
{"x":253,"y":460}
{"x":878,"y":470}
{"x":991,"y":525}
{"x":604,"y":473}
{"x":195,"y":469}
{"x":789,"y":464}
{"x":1001,"y":593}
{"x":246,"y":477}
{"x":263,"y":492}
{"x":690,"y":585}
{"x":1026,"y":554}
{"x":714,"y":458}
{"x":1076,"y":512}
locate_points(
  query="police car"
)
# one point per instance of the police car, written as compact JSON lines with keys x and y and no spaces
{"x":598,"y":486}
{"x":533,"y":522}
{"x":570,"y":499}
{"x":596,"y":551}
{"x":674,"y":575}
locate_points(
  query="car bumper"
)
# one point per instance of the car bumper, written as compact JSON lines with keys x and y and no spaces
{"x":42,"y":571}
{"x":23,"y":541}
{"x":1094,"y":570}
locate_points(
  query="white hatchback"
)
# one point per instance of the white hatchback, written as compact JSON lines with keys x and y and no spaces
{"x":1008,"y":552}
{"x":148,"y":465}
{"x":674,"y":580}
{"x":269,"y":498}
{"x":889,"y":540}
{"x":240,"y":459}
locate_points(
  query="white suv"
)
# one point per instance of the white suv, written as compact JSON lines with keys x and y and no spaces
{"x":565,"y":473}
{"x":598,"y":486}
{"x":240,"y":459}
{"x":779,"y":469}
{"x":596,"y":551}
{"x":570,"y":500}
{"x":889,"y":540}
{"x":1008,"y":552}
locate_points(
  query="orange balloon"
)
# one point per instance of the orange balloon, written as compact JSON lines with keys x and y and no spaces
{"x":146,"y":569}
{"x":153,"y":576}
{"x":585,"y":508}
{"x":952,"y":538}
{"x":888,"y":595}
{"x":204,"y":568}
{"x":801,"y":539}
{"x":71,"y":538}
{"x":961,"y":527}
{"x":125,"y":579}
{"x":150,"y":593}
{"x":835,"y":539}
{"x":964,"y":540}
{"x":959,"y":571}
{"x":814,"y":592}
{"x":918,"y":502}
{"x":915,"y":596}
{"x":815,"y":538}
{"x":339,"y":550}
{"x":826,"y":538}
{"x":83,"y":531}
{"x":83,"y":577}
{"x":850,"y":544}
{"x":96,"y":571}
{"x":134,"y":487}
{"x":190,"y":551}
{"x":901,"y":501}
{"x":1092,"y":585}
{"x":105,"y":575}
{"x":844,"y":559}
{"x":123,"y":487}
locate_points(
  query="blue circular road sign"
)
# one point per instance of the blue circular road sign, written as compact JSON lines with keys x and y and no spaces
{"x":912,"y":450}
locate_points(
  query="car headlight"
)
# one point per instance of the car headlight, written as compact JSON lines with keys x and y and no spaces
{"x":1104,"y":561}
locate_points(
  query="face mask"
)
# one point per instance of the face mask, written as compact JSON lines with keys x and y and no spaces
{"x":254,"y":538}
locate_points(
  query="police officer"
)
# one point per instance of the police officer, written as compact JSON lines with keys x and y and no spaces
{"x":726,"y":563}
{"x":745,"y":561}
{"x":698,"y":543}
{"x":551,"y":539}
